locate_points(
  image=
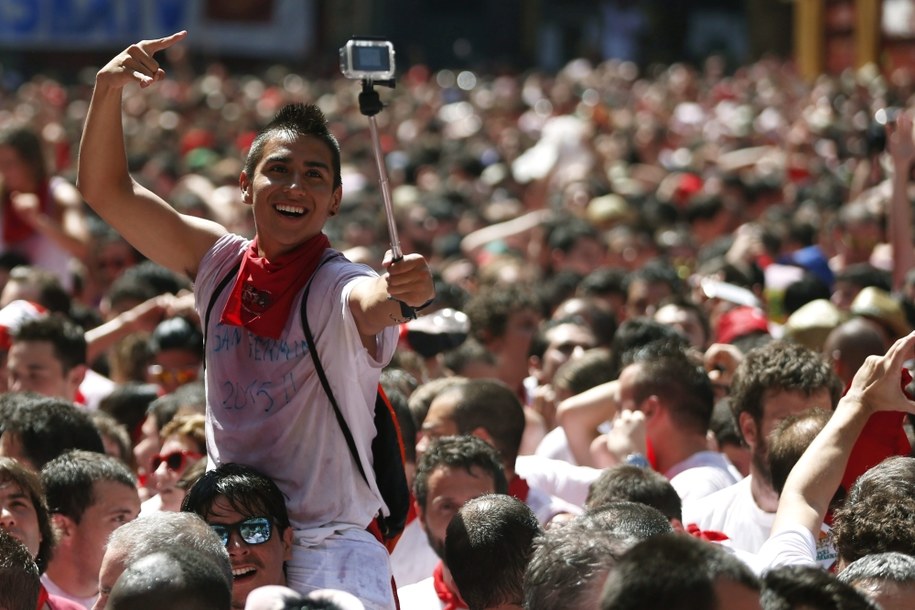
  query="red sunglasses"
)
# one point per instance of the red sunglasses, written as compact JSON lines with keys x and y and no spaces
{"x":175,"y":461}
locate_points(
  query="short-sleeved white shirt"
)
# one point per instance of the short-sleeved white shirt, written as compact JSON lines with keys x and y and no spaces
{"x":266,"y":407}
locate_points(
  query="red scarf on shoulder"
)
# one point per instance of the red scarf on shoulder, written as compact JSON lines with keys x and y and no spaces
{"x":451,"y":600}
{"x":264,"y":291}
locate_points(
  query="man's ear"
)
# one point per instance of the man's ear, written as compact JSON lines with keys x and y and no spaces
{"x":335,"y":204}
{"x":535,"y":369}
{"x":748,"y":430}
{"x":287,"y":544}
{"x":75,"y":377}
{"x":245,"y":185}
{"x":64,"y":527}
{"x":651,"y":406}
{"x":482,"y":433}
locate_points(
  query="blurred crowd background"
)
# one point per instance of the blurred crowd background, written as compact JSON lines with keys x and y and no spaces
{"x":656,"y":128}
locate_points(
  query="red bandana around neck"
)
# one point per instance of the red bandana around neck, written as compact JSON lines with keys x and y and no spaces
{"x":450,"y":599}
{"x":264,"y":291}
{"x":519,"y":488}
{"x":42,"y":598}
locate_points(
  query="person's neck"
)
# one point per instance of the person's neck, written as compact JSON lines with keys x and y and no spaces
{"x":764,"y":496}
{"x":67,"y":571}
{"x":671,"y":448}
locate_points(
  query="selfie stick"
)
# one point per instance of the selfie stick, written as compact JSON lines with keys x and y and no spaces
{"x":370,"y":105}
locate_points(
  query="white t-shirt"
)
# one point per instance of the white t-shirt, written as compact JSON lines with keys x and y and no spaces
{"x":701,"y":474}
{"x":555,"y":446}
{"x":793,"y":545}
{"x":56,"y":591}
{"x":267,"y":408}
{"x":734,"y":512}
{"x":557,"y":477}
{"x":419,"y":596}
{"x":413,"y":559}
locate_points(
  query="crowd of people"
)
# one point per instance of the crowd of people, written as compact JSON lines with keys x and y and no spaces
{"x":661,"y":357}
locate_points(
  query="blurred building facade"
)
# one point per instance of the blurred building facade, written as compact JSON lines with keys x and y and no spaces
{"x":823,"y":35}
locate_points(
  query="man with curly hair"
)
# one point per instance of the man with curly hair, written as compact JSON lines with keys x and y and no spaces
{"x":774,"y":381}
{"x":879,"y":513}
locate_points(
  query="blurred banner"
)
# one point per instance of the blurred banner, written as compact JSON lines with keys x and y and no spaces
{"x":254,"y":28}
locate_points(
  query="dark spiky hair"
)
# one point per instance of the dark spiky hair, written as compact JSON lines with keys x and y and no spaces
{"x":298,"y":120}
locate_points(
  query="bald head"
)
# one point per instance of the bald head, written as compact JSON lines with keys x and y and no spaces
{"x":850,"y":343}
{"x":189,"y":581}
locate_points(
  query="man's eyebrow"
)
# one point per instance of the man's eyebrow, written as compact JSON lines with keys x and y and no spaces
{"x":279,"y":158}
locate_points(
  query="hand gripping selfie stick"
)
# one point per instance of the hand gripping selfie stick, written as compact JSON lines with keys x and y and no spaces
{"x":372,"y":61}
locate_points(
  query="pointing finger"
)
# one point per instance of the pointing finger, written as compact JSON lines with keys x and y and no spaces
{"x":158,"y":44}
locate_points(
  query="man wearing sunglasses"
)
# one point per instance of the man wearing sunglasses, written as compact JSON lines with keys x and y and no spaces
{"x":248,"y":512}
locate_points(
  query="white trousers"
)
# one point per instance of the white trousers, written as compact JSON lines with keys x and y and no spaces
{"x":352,"y":561}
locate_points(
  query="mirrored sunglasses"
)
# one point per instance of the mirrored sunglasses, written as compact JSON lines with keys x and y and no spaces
{"x":254,"y":530}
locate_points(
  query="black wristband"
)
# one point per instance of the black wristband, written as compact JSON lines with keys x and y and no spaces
{"x":424,"y":305}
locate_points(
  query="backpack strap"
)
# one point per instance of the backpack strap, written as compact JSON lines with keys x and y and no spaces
{"x":219,"y":288}
{"x":319,"y":368}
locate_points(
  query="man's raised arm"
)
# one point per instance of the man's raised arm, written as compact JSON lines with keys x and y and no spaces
{"x":148,"y":222}
{"x":816,"y":476}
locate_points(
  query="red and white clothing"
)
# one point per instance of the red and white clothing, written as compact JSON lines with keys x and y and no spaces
{"x":413,"y":559}
{"x":54,"y":602}
{"x":266,"y":408}
{"x":432,"y":593}
{"x":58,"y":594}
{"x":734,"y":512}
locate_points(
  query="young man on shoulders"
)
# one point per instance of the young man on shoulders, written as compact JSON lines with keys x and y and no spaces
{"x":265,"y":406}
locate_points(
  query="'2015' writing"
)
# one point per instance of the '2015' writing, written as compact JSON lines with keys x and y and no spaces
{"x":260,"y":395}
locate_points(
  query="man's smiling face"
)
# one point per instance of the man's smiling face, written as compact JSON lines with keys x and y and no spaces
{"x":253,"y":565}
{"x":292,"y":191}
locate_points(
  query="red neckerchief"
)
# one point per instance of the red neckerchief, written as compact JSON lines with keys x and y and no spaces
{"x":710,"y":535}
{"x":264,"y":291}
{"x":649,"y":454}
{"x":450,"y":599}
{"x":519,"y":488}
{"x":42,"y":598}
{"x":15,"y":229}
